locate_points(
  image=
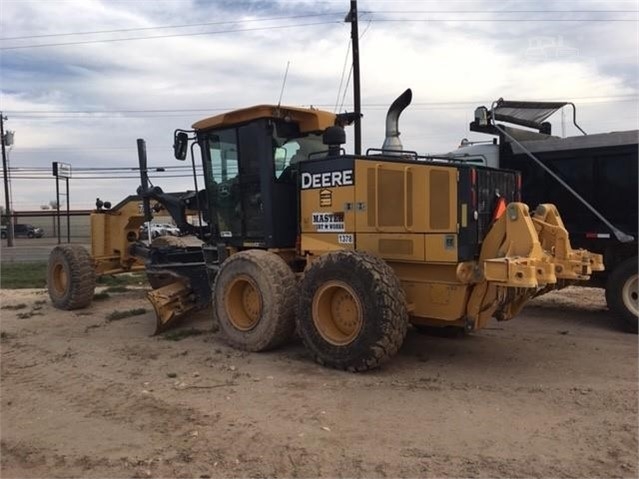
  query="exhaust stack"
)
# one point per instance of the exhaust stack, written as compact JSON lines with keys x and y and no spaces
{"x":392,"y":142}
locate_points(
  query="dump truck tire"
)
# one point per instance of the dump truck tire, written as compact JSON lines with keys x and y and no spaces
{"x":621,"y":294}
{"x":70,"y":277}
{"x":254,"y":300}
{"x":352,"y":311}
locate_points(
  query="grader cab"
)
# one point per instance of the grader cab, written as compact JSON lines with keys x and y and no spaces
{"x":346,"y":249}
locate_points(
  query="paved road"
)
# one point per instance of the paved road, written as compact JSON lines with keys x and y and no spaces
{"x":25,"y":249}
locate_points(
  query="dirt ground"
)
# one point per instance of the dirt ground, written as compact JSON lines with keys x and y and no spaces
{"x":552,"y":393}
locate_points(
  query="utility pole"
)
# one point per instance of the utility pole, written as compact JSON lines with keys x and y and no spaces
{"x":5,"y":172}
{"x":352,"y":18}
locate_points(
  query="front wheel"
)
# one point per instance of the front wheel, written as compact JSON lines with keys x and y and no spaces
{"x":622,"y":294}
{"x":70,"y":277}
{"x":352,"y":312}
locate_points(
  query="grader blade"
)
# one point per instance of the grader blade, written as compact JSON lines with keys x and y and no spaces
{"x":171,"y":302}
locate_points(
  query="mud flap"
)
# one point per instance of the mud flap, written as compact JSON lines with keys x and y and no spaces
{"x":171,"y":302}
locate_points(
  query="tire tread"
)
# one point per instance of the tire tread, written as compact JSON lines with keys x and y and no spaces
{"x":386,"y":286}
{"x":82,"y":277}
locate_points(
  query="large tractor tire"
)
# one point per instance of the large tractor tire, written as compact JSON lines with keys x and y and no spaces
{"x":622,"y":294}
{"x":254,"y":300}
{"x":70,"y":277}
{"x":352,"y":311}
{"x":159,"y":280}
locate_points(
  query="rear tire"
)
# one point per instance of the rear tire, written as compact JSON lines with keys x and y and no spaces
{"x":622,"y":294}
{"x":70,"y":277}
{"x":352,"y":311}
{"x":254,"y":300}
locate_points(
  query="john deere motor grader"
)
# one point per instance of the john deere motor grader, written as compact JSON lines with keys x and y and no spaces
{"x":347,"y":249}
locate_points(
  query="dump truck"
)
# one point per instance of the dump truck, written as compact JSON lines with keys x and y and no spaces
{"x":290,"y":233}
{"x":576,"y":173}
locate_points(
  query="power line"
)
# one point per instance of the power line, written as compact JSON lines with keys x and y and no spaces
{"x":503,"y":20}
{"x":104,"y":177}
{"x":186,"y":25}
{"x":126,"y":169}
{"x":217,"y":32}
{"x":462,"y":12}
{"x":232,"y":108}
{"x":291,"y":17}
{"x":276,"y":27}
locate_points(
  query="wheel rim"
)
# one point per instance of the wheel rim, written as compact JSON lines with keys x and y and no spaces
{"x":337,"y":313}
{"x":60,"y":279}
{"x":630,"y":294}
{"x":243,"y":303}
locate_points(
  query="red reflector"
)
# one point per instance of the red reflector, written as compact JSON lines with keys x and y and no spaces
{"x":500,"y":208}
{"x":591,"y":235}
{"x":473,"y":177}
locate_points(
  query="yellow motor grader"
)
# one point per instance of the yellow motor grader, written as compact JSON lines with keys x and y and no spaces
{"x":347,"y":249}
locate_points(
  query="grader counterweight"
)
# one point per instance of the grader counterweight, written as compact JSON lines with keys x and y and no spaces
{"x":347,"y":249}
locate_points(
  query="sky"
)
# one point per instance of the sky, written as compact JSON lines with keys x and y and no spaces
{"x":81,"y":80}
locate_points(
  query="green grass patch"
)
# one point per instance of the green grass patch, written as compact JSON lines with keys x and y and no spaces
{"x":123,"y":279}
{"x":99,"y":296}
{"x":115,"y":315}
{"x":14,"y":307}
{"x":117,"y":289}
{"x":23,"y":275}
{"x":179,"y":334}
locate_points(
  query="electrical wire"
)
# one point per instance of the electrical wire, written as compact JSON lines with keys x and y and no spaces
{"x":185,"y":25}
{"x":217,"y":32}
{"x":110,"y":178}
{"x":231,"y":108}
{"x":341,"y":80}
{"x":411,"y":20}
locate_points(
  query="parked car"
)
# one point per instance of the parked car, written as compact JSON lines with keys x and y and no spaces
{"x":24,"y":231}
{"x":159,"y":229}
